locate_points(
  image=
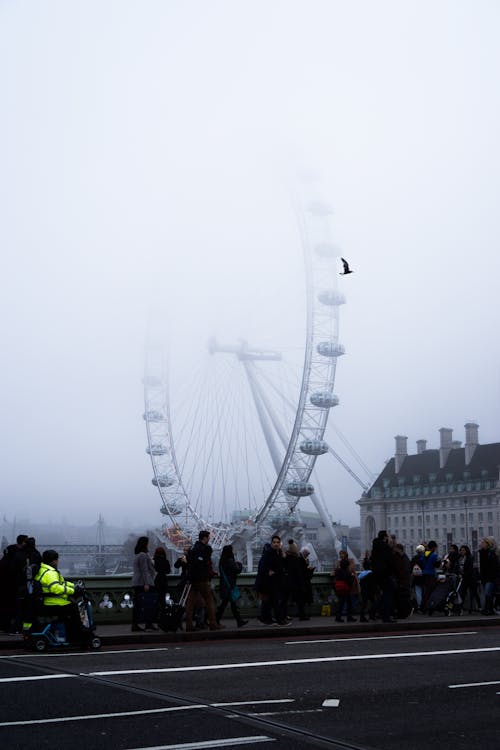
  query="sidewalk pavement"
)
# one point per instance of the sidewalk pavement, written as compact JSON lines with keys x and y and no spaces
{"x":121,"y":634}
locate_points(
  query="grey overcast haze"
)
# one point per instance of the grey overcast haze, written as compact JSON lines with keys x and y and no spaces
{"x":148,"y":154}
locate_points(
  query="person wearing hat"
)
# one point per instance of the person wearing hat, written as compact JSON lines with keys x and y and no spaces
{"x":56,"y":597}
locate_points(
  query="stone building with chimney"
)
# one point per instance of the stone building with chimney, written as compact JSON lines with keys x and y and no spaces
{"x":449,"y":494}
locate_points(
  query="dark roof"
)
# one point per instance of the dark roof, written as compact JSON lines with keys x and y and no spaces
{"x":486,"y":458}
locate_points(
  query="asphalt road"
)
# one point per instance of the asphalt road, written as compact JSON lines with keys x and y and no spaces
{"x":399,"y":690}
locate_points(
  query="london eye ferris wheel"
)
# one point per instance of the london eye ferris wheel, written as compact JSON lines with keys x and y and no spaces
{"x":234,"y":436}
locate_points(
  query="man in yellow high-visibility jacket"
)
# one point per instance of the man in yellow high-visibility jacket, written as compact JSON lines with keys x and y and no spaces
{"x":56,"y":596}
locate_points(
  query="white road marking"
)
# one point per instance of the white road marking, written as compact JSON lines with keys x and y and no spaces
{"x":211,"y":743}
{"x":168,"y":709}
{"x":475,"y":684}
{"x":36,"y":677}
{"x":58,"y":654}
{"x":287,"y":662}
{"x":252,"y":703}
{"x":377,"y":638}
{"x":282,"y":713}
{"x":331,"y":703}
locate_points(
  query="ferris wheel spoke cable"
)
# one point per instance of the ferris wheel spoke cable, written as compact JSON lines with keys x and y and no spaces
{"x":250,"y":431}
{"x":353,"y":451}
{"x":216,"y":424}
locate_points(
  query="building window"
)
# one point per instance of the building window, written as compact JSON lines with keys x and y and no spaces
{"x":445,"y":520}
{"x":453,"y":518}
{"x":453,"y":532}
{"x":479,"y":517}
{"x":462,"y":517}
{"x":412,"y":521}
{"x":427,"y":518}
{"x":462,"y":532}
{"x":480,"y":531}
{"x":436,"y":533}
{"x":435,"y":518}
{"x":490,"y":530}
{"x":471,"y":517}
{"x":490,"y":516}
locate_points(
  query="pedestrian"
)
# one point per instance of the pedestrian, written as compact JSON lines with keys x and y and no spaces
{"x":12,"y":584}
{"x":229,"y":569}
{"x":199,"y":572}
{"x":369,"y":591}
{"x":384,"y":570}
{"x":468,"y":578}
{"x":307,"y":574}
{"x":431,"y":563}
{"x":145,"y":597}
{"x":489,"y":572}
{"x":403,"y":604}
{"x":417,"y":564}
{"x":295,"y":576}
{"x":161,"y":565}
{"x":270,"y":583}
{"x":343,"y":580}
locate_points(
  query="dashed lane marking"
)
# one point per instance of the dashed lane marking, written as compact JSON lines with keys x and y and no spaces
{"x":229,"y":741}
{"x":377,"y":638}
{"x":331,"y":703}
{"x":117,"y":714}
{"x":475,"y":684}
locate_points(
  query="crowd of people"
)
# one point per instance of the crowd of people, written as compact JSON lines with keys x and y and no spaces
{"x":388,"y":585}
{"x":391,"y":586}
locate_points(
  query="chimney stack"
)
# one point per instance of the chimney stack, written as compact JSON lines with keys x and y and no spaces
{"x":445,"y":445}
{"x":471,"y":440}
{"x":401,"y":452}
{"x":421,"y":446}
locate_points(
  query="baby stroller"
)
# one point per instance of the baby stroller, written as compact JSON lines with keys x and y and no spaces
{"x":445,"y":596}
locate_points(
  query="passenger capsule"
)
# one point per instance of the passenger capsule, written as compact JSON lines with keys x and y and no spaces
{"x":324,"y":399}
{"x":156,"y":449}
{"x":331,"y":297}
{"x":314,"y":447}
{"x":153,"y":416}
{"x":299,"y":489}
{"x":330,"y":349}
{"x":162,"y":480}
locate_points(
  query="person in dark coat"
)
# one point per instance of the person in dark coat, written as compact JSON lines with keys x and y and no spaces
{"x":296,"y":576}
{"x":468,"y":577}
{"x":384,"y":570}
{"x":229,"y":569}
{"x":162,"y":568}
{"x":12,"y":582}
{"x":270,"y":583}
{"x":403,"y":572}
{"x":199,"y":571}
{"x":489,"y":572}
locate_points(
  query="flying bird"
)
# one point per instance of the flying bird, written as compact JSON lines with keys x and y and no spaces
{"x":346,"y":268}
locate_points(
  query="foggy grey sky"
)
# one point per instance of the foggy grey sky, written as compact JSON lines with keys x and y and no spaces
{"x":148,"y":151}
